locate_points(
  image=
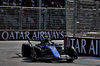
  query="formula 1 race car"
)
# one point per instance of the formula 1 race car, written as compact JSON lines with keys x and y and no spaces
{"x":48,"y":51}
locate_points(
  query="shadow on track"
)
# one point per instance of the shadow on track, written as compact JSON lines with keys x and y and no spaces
{"x":28,"y":60}
{"x":18,"y":55}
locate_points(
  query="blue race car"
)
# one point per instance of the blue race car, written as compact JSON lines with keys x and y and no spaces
{"x":48,"y":51}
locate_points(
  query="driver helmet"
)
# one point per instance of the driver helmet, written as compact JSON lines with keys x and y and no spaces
{"x":45,"y":36}
{"x":46,"y":39}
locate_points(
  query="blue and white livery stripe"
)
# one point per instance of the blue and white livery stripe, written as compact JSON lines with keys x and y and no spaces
{"x":54,"y":51}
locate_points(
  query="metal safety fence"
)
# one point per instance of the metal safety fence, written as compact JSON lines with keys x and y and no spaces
{"x":82,"y":18}
{"x":32,"y":18}
{"x":9,"y":17}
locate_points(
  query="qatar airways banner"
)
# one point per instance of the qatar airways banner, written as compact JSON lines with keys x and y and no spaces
{"x":34,"y":35}
{"x":84,"y":46}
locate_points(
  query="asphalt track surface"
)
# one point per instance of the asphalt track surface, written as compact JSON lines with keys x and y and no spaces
{"x":10,"y":55}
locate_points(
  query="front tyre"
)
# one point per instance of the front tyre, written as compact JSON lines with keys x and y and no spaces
{"x":26,"y":50}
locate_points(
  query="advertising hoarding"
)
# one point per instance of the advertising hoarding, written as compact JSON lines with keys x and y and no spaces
{"x":34,"y":35}
{"x":84,"y":46}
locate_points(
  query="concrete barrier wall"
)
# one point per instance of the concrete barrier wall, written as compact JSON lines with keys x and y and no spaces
{"x":84,"y":46}
{"x":34,"y":35}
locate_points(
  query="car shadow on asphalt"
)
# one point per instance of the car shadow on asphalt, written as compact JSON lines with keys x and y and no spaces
{"x":28,"y":60}
{"x":17,"y":55}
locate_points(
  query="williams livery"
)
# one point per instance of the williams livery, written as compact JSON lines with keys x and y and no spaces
{"x":48,"y":51}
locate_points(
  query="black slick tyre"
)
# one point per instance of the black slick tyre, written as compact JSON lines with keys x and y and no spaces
{"x":72,"y":53}
{"x":26,"y":50}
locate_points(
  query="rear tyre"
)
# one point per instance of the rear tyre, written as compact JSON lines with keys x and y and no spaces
{"x":72,"y":53}
{"x":26,"y":50}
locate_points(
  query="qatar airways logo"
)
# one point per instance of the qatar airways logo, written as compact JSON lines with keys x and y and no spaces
{"x":34,"y":35}
{"x":85,"y":46}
